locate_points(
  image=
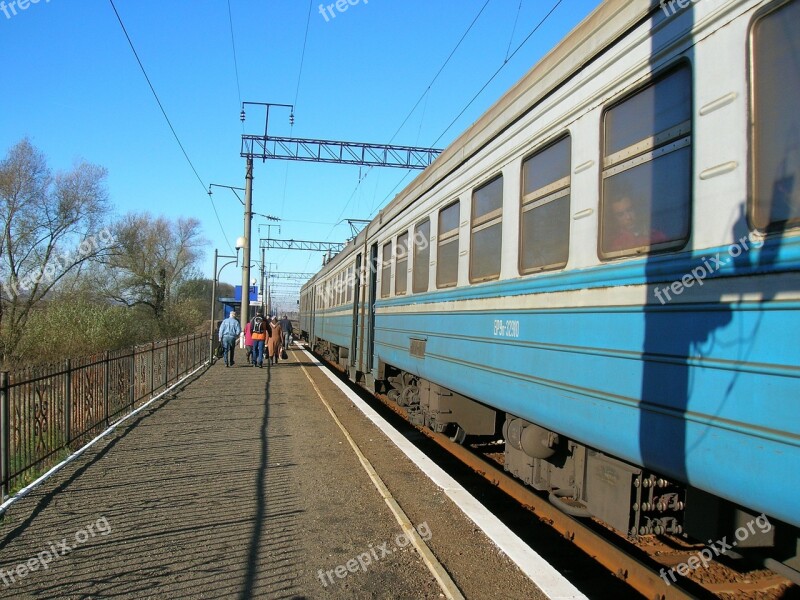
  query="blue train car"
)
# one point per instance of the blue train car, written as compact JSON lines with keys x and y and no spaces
{"x":604,"y":270}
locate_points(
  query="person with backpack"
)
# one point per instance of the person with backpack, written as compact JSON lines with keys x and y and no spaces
{"x":228,"y":334}
{"x":259,"y":331}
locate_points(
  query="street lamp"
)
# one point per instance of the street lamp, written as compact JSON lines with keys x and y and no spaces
{"x":216,"y":275}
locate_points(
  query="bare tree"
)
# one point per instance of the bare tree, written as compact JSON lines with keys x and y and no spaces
{"x":153,"y":257}
{"x":51,"y":226}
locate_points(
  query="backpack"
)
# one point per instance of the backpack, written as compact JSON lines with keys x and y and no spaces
{"x":259,"y":325}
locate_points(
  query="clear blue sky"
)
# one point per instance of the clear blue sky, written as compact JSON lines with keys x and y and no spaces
{"x":72,"y":85}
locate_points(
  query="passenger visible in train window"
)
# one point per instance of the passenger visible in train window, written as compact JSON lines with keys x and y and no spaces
{"x":627,"y":231}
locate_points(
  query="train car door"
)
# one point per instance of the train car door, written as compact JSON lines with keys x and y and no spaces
{"x":312,"y":297}
{"x":354,"y":348}
{"x":370,"y":322}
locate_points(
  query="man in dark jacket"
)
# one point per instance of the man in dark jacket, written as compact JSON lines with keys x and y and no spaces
{"x":286,"y":327}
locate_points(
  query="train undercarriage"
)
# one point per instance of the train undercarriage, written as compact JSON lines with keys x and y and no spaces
{"x":582,"y":481}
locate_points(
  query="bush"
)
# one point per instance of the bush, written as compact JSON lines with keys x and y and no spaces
{"x":69,"y":327}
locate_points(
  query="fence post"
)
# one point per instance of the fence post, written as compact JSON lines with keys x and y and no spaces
{"x":5,"y":435}
{"x":107,"y":378}
{"x":166,"y":364}
{"x":152,"y":368}
{"x":68,"y":404}
{"x":132,"y":392}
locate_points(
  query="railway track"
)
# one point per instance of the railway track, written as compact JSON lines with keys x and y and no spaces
{"x":642,"y":567}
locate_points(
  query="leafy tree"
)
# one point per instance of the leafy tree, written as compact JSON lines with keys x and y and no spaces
{"x":52,"y":225}
{"x":152,"y":258}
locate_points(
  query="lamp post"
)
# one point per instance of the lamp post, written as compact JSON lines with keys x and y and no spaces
{"x":216,"y":275}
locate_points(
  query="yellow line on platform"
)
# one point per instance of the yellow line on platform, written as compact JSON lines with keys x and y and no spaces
{"x":449,"y":588}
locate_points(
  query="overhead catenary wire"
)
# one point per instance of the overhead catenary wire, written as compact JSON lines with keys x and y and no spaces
{"x":513,"y":29}
{"x":497,"y":72}
{"x":439,"y":72}
{"x":296,"y":98}
{"x":164,"y":112}
{"x":235,"y":61}
{"x":411,"y":112}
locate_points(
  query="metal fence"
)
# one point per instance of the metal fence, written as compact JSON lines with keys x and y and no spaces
{"x":47,"y":412}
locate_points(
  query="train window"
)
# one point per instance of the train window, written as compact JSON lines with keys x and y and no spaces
{"x":647,"y":168}
{"x":544,"y":226}
{"x":487,"y":231}
{"x":386,"y":270}
{"x":775,"y":202}
{"x":349,"y":284}
{"x":422,"y":254}
{"x":335,"y":290}
{"x":447,"y":260}
{"x":401,"y":266}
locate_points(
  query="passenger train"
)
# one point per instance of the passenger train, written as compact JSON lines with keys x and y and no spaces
{"x":603,"y":271}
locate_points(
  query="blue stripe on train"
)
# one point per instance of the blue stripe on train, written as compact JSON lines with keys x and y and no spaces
{"x":725,"y":419}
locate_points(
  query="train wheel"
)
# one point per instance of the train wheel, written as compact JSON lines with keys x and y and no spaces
{"x":459,"y":436}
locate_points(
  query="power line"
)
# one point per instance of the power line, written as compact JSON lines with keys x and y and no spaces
{"x":505,"y":62}
{"x":514,"y":29}
{"x":296,"y":96}
{"x":411,"y":112}
{"x":439,"y":72}
{"x":235,"y":62}
{"x":303,"y":54}
{"x":164,"y":112}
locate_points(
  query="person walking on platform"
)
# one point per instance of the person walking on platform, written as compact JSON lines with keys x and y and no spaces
{"x":260,"y":331}
{"x":228,"y":334}
{"x":248,"y":341}
{"x":286,"y":327}
{"x":275,"y":340}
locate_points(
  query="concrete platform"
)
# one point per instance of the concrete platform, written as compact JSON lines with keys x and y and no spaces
{"x":241,"y":485}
